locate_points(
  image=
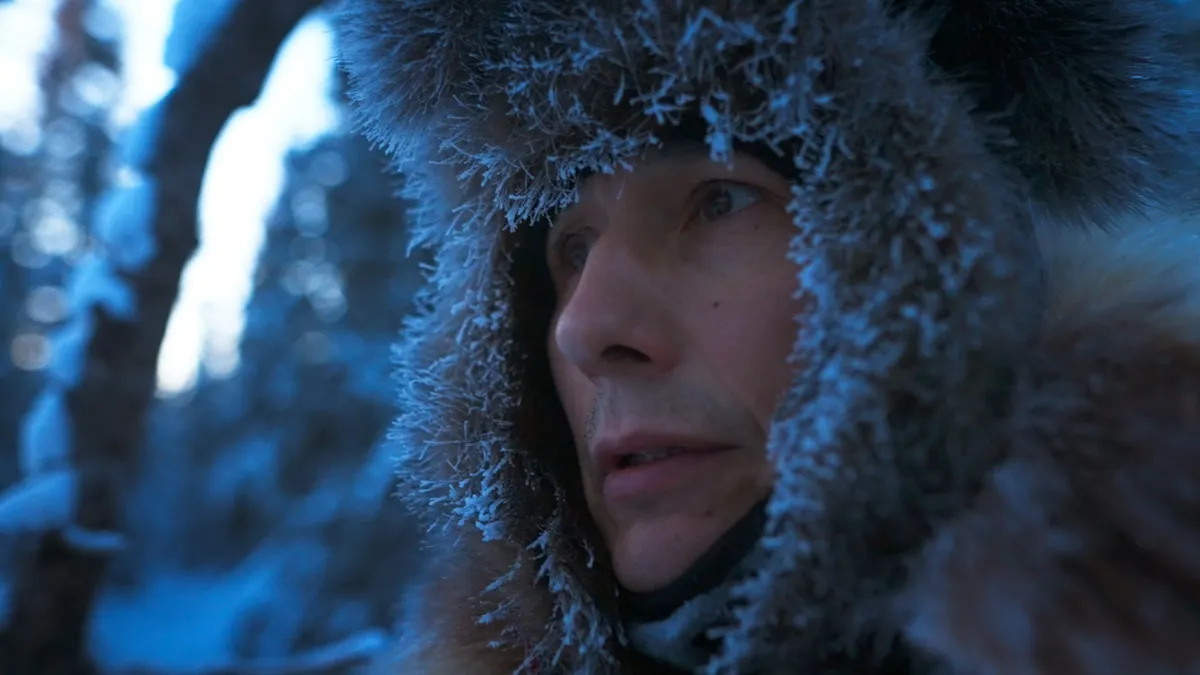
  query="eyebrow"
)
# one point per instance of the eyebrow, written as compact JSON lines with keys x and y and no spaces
{"x":671,"y":150}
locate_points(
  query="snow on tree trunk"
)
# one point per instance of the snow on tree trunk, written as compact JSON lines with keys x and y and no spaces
{"x":81,"y":442}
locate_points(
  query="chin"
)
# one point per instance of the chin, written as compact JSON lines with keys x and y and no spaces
{"x":649,"y":554}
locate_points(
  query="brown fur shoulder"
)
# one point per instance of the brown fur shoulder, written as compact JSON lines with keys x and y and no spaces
{"x":443,"y":633}
{"x":1082,"y":556}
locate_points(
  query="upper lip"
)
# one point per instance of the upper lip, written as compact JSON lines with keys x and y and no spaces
{"x":609,"y":450}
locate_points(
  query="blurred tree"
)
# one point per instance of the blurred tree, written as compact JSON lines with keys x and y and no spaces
{"x":280,"y":463}
{"x":79,"y":449}
{"x":336,"y":260}
{"x":50,"y":178}
{"x":292,"y":472}
{"x":26,"y":347}
{"x":52,"y":167}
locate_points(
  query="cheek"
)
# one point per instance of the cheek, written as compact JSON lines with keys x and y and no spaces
{"x":751,"y":341}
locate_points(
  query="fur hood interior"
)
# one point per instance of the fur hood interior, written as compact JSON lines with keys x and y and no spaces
{"x":969,"y":175}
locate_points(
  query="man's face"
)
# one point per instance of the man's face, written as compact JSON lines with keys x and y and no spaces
{"x":668,"y":347}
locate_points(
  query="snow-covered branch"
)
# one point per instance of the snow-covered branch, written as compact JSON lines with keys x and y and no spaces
{"x":43,"y":502}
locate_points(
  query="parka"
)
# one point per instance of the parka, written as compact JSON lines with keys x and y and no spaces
{"x":989,"y":455}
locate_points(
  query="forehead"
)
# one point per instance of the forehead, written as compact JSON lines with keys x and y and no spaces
{"x":660,"y":163}
{"x":677,"y":152}
{"x":677,"y":155}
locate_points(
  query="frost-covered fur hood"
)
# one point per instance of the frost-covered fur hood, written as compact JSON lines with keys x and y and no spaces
{"x":944,"y":151}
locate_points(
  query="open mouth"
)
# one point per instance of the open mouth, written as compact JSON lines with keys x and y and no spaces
{"x":657,"y":470}
{"x":658,"y":454}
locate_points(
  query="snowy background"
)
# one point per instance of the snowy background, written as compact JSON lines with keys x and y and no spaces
{"x":193,"y":483}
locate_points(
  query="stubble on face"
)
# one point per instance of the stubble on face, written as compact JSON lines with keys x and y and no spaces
{"x":706,"y":310}
{"x":593,"y":421}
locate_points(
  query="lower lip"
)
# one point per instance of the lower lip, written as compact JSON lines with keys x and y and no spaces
{"x":659,"y":476}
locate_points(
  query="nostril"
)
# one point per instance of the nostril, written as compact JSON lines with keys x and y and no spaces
{"x":621,"y":353}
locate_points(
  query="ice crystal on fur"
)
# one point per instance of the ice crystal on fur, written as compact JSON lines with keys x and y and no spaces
{"x":922,"y":169}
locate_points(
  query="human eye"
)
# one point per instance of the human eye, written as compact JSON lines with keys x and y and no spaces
{"x":571,"y":250}
{"x":722,"y":198}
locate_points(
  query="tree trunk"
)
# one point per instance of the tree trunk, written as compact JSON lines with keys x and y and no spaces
{"x":122,"y":308}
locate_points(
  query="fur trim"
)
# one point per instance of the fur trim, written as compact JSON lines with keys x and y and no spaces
{"x":1147,"y":269}
{"x":928,"y":138}
{"x":1093,"y":103}
{"x":1097,"y":109}
{"x":1078,"y":557}
{"x":446,"y":629}
{"x":1082,"y":556}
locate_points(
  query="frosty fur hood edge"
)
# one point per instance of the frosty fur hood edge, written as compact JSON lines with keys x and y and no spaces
{"x":1138,"y":283}
{"x":928,"y":138}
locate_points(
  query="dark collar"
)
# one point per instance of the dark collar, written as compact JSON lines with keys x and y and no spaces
{"x":711,"y":570}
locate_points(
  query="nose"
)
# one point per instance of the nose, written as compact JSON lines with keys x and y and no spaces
{"x":616,"y":321}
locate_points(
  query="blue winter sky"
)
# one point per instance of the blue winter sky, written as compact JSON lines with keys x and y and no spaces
{"x":243,"y":178}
